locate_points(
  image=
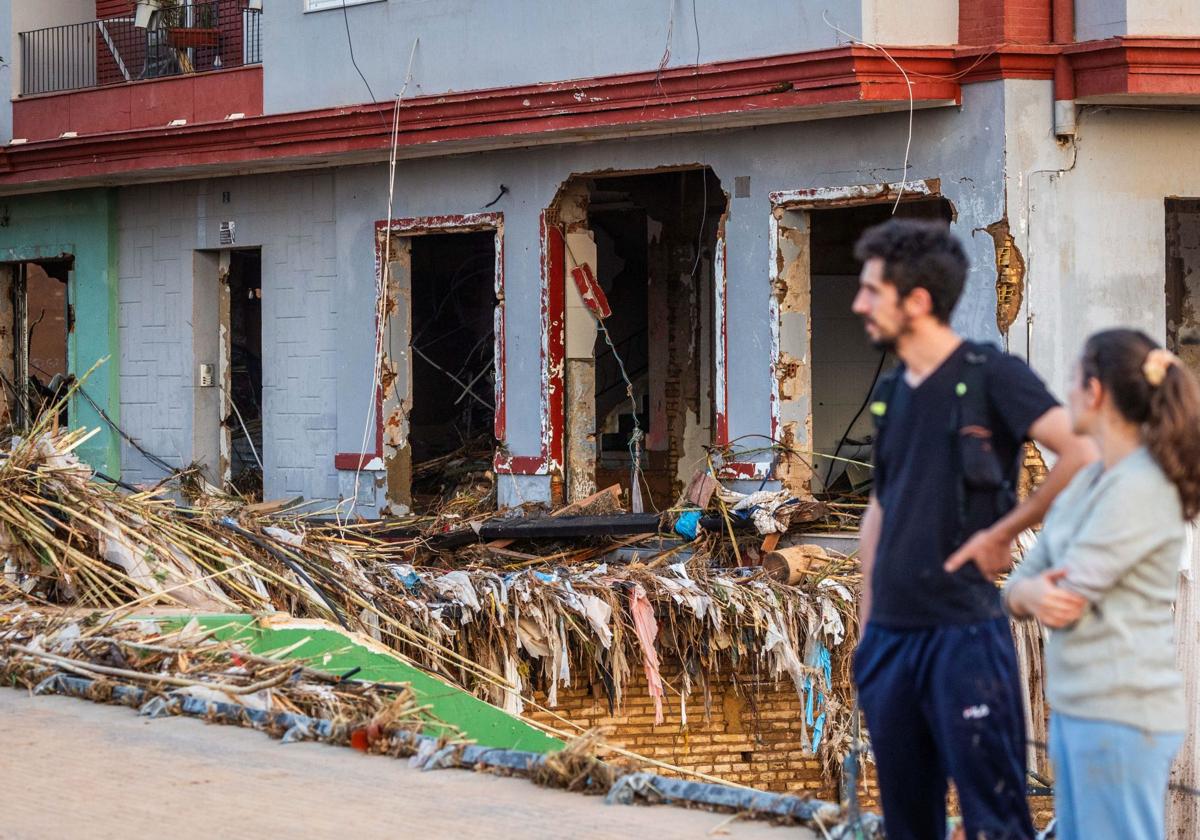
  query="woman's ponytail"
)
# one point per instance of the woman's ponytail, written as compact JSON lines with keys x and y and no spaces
{"x":1172,"y":432}
{"x":1150,"y":386}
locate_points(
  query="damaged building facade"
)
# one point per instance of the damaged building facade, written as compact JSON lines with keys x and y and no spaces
{"x":315,"y":246}
{"x":208,"y":195}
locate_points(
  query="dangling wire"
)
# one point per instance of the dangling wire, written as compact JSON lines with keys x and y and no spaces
{"x":637,"y":435}
{"x":382,"y":286}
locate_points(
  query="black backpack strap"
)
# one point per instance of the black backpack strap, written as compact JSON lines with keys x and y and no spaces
{"x":984,"y":490}
{"x":973,"y":407}
{"x":881,"y":398}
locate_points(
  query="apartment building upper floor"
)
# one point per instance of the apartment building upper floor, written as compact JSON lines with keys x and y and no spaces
{"x":121,"y":89}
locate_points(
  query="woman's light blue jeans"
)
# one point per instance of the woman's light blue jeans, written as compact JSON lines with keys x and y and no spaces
{"x":1110,"y":779}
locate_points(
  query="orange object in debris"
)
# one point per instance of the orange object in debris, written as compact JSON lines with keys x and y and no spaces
{"x":589,"y":289}
{"x":358,"y":740}
{"x":788,"y":565}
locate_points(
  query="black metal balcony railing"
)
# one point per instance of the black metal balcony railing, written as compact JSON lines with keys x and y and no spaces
{"x":186,"y":38}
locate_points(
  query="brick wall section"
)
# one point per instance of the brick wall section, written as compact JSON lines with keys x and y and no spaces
{"x":985,"y":22}
{"x":114,"y":8}
{"x":753,"y":736}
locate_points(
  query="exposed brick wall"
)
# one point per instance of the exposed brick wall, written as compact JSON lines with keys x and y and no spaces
{"x":114,"y":8}
{"x":753,"y":735}
{"x":1004,"y":22}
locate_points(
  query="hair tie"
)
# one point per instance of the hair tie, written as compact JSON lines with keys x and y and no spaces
{"x":1156,"y":364}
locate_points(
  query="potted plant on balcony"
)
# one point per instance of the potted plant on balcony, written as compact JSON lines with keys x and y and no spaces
{"x":200,"y":31}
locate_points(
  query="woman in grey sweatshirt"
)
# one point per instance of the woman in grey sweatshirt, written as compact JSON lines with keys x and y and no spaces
{"x":1103,"y":577}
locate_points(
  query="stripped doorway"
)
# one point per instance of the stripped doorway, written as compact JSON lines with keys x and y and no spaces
{"x":227,"y":424}
{"x":440,"y":381}
{"x":244,"y":423}
{"x":826,"y":368}
{"x":640,"y":329}
{"x":36,"y":320}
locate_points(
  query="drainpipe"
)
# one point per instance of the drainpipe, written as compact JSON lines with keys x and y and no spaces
{"x":1063,"y":33}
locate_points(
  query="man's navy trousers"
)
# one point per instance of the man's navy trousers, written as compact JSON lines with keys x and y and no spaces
{"x":944,"y":702}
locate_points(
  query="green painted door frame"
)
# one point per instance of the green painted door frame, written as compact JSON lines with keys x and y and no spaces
{"x":81,"y":224}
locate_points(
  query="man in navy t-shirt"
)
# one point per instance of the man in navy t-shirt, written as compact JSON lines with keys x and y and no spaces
{"x":936,"y":669}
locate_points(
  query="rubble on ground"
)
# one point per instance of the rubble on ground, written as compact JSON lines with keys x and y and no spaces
{"x":500,"y":617}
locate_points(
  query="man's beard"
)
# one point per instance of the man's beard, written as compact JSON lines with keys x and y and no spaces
{"x":888,"y":342}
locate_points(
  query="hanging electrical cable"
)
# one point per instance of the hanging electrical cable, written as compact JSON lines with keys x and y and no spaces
{"x":353,"y":60}
{"x":637,"y":436}
{"x":381,"y":285}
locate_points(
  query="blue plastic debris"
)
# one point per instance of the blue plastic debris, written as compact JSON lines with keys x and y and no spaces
{"x":406,"y":575}
{"x":815,"y":697}
{"x":688,"y":524}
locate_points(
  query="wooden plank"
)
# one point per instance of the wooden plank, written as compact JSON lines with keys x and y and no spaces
{"x":575,"y":507}
{"x":1183,"y":807}
{"x":592,"y":501}
{"x":272,"y":506}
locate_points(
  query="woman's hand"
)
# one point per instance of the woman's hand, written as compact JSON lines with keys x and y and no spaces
{"x":1046,"y":601}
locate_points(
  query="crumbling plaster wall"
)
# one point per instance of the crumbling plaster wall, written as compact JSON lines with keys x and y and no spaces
{"x":317,"y":233}
{"x":466,"y":45}
{"x":961,"y":147}
{"x":1090,"y":220}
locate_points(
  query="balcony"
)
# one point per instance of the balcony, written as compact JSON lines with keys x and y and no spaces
{"x":177,"y":41}
{"x":180,"y":64}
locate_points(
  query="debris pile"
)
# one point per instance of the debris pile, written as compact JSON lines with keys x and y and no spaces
{"x":135,"y":662}
{"x":187,"y":671}
{"x":531,"y":610}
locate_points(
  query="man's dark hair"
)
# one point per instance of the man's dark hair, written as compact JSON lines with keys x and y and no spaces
{"x":918,"y":254}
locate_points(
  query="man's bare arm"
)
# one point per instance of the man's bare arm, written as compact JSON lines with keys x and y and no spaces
{"x":991,"y":548}
{"x":868,"y":541}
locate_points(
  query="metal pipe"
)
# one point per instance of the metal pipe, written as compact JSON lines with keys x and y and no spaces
{"x":1063,"y":33}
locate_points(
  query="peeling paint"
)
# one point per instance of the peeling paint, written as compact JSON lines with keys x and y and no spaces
{"x":791,"y":342}
{"x":396,"y":377}
{"x":392,"y":454}
{"x":696,"y":435}
{"x":581,"y":429}
{"x":580,"y":330}
{"x":224,"y":372}
{"x":721,"y":343}
{"x":855,"y":194}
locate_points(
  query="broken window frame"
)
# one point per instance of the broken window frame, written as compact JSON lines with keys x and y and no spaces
{"x":792,"y":407}
{"x":21,"y":414}
{"x":553,"y":236}
{"x":387,"y":234}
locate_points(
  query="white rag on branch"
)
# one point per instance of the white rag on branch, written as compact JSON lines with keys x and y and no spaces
{"x":770,"y":510}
